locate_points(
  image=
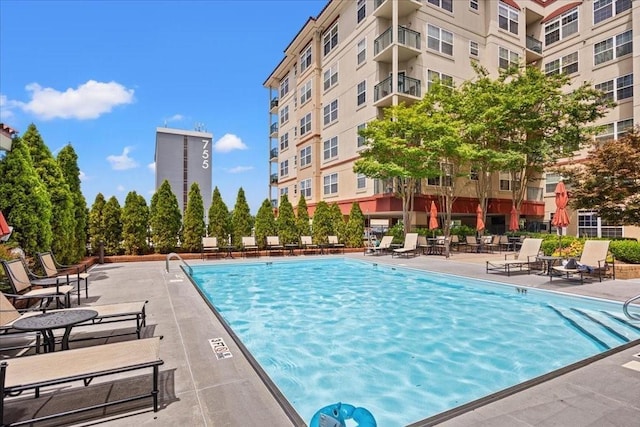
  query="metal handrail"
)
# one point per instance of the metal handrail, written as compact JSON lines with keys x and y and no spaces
{"x":175,"y":255}
{"x":625,"y":308}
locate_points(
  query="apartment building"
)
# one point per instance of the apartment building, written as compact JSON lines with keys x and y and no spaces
{"x":357,"y":57}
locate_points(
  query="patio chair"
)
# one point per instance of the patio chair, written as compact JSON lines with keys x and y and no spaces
{"x":492,"y":243}
{"x":334,"y":244}
{"x":410,"y":246}
{"x":307,"y":245}
{"x":273,"y":245}
{"x":383,"y":247}
{"x":423,"y":245}
{"x":593,"y":262}
{"x":525,"y":258}
{"x":76,"y":274}
{"x":249,"y":246}
{"x":46,"y":290}
{"x":472,"y":244}
{"x":210,"y":247}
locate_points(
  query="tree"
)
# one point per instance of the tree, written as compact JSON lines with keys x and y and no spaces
{"x":355,"y":227}
{"x":339,"y":226}
{"x":609,"y":180}
{"x":193,"y":228}
{"x":165,"y":219}
{"x":241,"y":221}
{"x":68,"y":161}
{"x":112,"y":226}
{"x":265,"y":223}
{"x":219,"y":218}
{"x":302,"y":218}
{"x":62,"y":210}
{"x":286,"y":222}
{"x":135,"y":224}
{"x":24,"y":200}
{"x":322,"y":224}
{"x":96,"y":222}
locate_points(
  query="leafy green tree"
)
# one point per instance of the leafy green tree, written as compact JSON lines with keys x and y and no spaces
{"x":135,"y":224}
{"x":219,"y":218}
{"x":338,"y":223}
{"x":241,"y":221}
{"x":165,"y":219}
{"x":265,"y":223}
{"x":287,"y":229}
{"x":68,"y":161}
{"x":112,"y":216}
{"x":355,"y":227}
{"x":322,"y":224}
{"x":63,"y":213}
{"x":96,"y":223}
{"x":609,"y":180}
{"x":302,"y":218}
{"x":24,"y":200}
{"x":193,"y":224}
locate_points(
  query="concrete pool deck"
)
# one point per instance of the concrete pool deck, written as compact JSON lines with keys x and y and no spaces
{"x":200,"y":389}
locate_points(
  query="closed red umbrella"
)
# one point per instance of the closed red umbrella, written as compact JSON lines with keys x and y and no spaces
{"x":560,"y":217}
{"x":514,"y":225}
{"x":479,"y":220}
{"x":4,"y":227}
{"x":433,"y":217}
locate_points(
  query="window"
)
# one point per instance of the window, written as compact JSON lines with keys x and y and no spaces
{"x":604,"y":51}
{"x":362,"y":51}
{"x":305,"y":156}
{"x":603,"y":9}
{"x":473,"y":48}
{"x":361,"y":181}
{"x":284,"y":87}
{"x":330,"y":148}
{"x":305,"y":59}
{"x":362,"y":10}
{"x":568,"y":64}
{"x":305,"y":124}
{"x":331,"y":76}
{"x":506,"y":184}
{"x":284,"y":191}
{"x":305,"y":188}
{"x":473,"y":4}
{"x":439,"y":39}
{"x":552,"y":67}
{"x":446,"y":177}
{"x":284,"y":141}
{"x":561,"y":27}
{"x":284,"y":168}
{"x":507,"y":18}
{"x":444,"y":4}
{"x":615,"y":130}
{"x":473,"y":174}
{"x":433,"y":76}
{"x":330,"y":112}
{"x":284,"y":114}
{"x":330,"y":184}
{"x":551,"y":180}
{"x":607,"y":89}
{"x":590,"y":225}
{"x":361,"y":140}
{"x":507,"y":58}
{"x":305,"y":92}
{"x":330,"y":39}
{"x":362,"y":92}
{"x":618,"y":89}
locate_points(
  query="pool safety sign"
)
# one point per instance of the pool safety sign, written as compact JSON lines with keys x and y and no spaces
{"x":220,"y":349}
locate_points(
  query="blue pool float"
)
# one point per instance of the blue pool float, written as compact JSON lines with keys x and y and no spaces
{"x":334,"y":416}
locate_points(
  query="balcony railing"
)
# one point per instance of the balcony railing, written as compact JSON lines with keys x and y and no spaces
{"x":274,"y":128}
{"x":274,"y":103}
{"x":383,"y":41}
{"x":406,"y":37}
{"x":274,"y":178}
{"x":382,"y":89}
{"x":405,"y":85}
{"x":273,"y":154}
{"x":274,"y":203}
{"x":534,"y":44}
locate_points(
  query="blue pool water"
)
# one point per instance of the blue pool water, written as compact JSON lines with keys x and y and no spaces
{"x":402,"y":343}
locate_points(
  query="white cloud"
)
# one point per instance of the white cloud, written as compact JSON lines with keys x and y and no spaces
{"x":174,"y":118}
{"x":83,"y":176}
{"x":88,"y":101}
{"x":240,"y":169}
{"x":6,"y":108}
{"x":120,"y":188}
{"x":229,"y":142}
{"x":123,"y":161}
{"x":152,"y":167}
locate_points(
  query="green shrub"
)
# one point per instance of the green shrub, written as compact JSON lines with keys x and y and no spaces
{"x":397,"y":231}
{"x":626,"y":250}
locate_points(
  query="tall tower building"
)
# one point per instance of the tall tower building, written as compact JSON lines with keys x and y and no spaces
{"x":183,"y":157}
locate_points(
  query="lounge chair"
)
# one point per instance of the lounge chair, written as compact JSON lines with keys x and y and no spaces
{"x":593,"y":261}
{"x":27,"y":285}
{"x":383,"y":247}
{"x":307,"y":245}
{"x":74,"y":274}
{"x":410,"y":246}
{"x":525,"y":258}
{"x":472,"y":244}
{"x":249,"y":246}
{"x":334,"y":244}
{"x":273,"y":245}
{"x":210,"y":247}
{"x":19,"y":374}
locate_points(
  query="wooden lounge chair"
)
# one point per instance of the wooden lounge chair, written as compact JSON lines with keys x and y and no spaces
{"x":308,"y":246}
{"x":410,"y":246}
{"x":593,"y":262}
{"x":209,"y":247}
{"x":249,"y":246}
{"x":35,"y":372}
{"x":273,"y":245}
{"x":383,"y":247}
{"x":525,"y":258}
{"x":44,"y":289}
{"x":334,"y":244}
{"x":74,"y":274}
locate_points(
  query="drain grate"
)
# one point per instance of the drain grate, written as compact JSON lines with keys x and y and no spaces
{"x":220,"y":349}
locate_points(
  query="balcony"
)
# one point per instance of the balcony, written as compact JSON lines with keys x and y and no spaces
{"x":274,"y":178}
{"x":273,"y":105}
{"x":534,"y":50}
{"x":273,"y":130}
{"x":408,"y":90}
{"x":273,"y":154}
{"x":384,"y":8}
{"x":408,"y":42}
{"x":274,"y":203}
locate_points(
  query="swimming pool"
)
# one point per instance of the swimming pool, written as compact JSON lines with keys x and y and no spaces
{"x":402,"y":343}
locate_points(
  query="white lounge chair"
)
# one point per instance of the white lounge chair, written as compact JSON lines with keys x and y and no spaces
{"x":384,"y":246}
{"x":593,"y":261}
{"x":273,"y":245}
{"x":410,"y":246}
{"x":210,"y":246}
{"x":525,"y":258}
{"x":249,"y":245}
{"x":334,"y":244}
{"x":308,"y":246}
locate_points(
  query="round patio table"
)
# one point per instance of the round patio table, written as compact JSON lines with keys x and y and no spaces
{"x":45,"y":323}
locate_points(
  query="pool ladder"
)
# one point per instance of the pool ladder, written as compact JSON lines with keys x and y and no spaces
{"x":625,"y":308}
{"x":175,"y":255}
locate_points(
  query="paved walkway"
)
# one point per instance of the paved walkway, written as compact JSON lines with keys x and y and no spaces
{"x":199,"y":389}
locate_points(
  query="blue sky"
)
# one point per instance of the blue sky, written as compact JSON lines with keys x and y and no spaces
{"x":102,"y":75}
